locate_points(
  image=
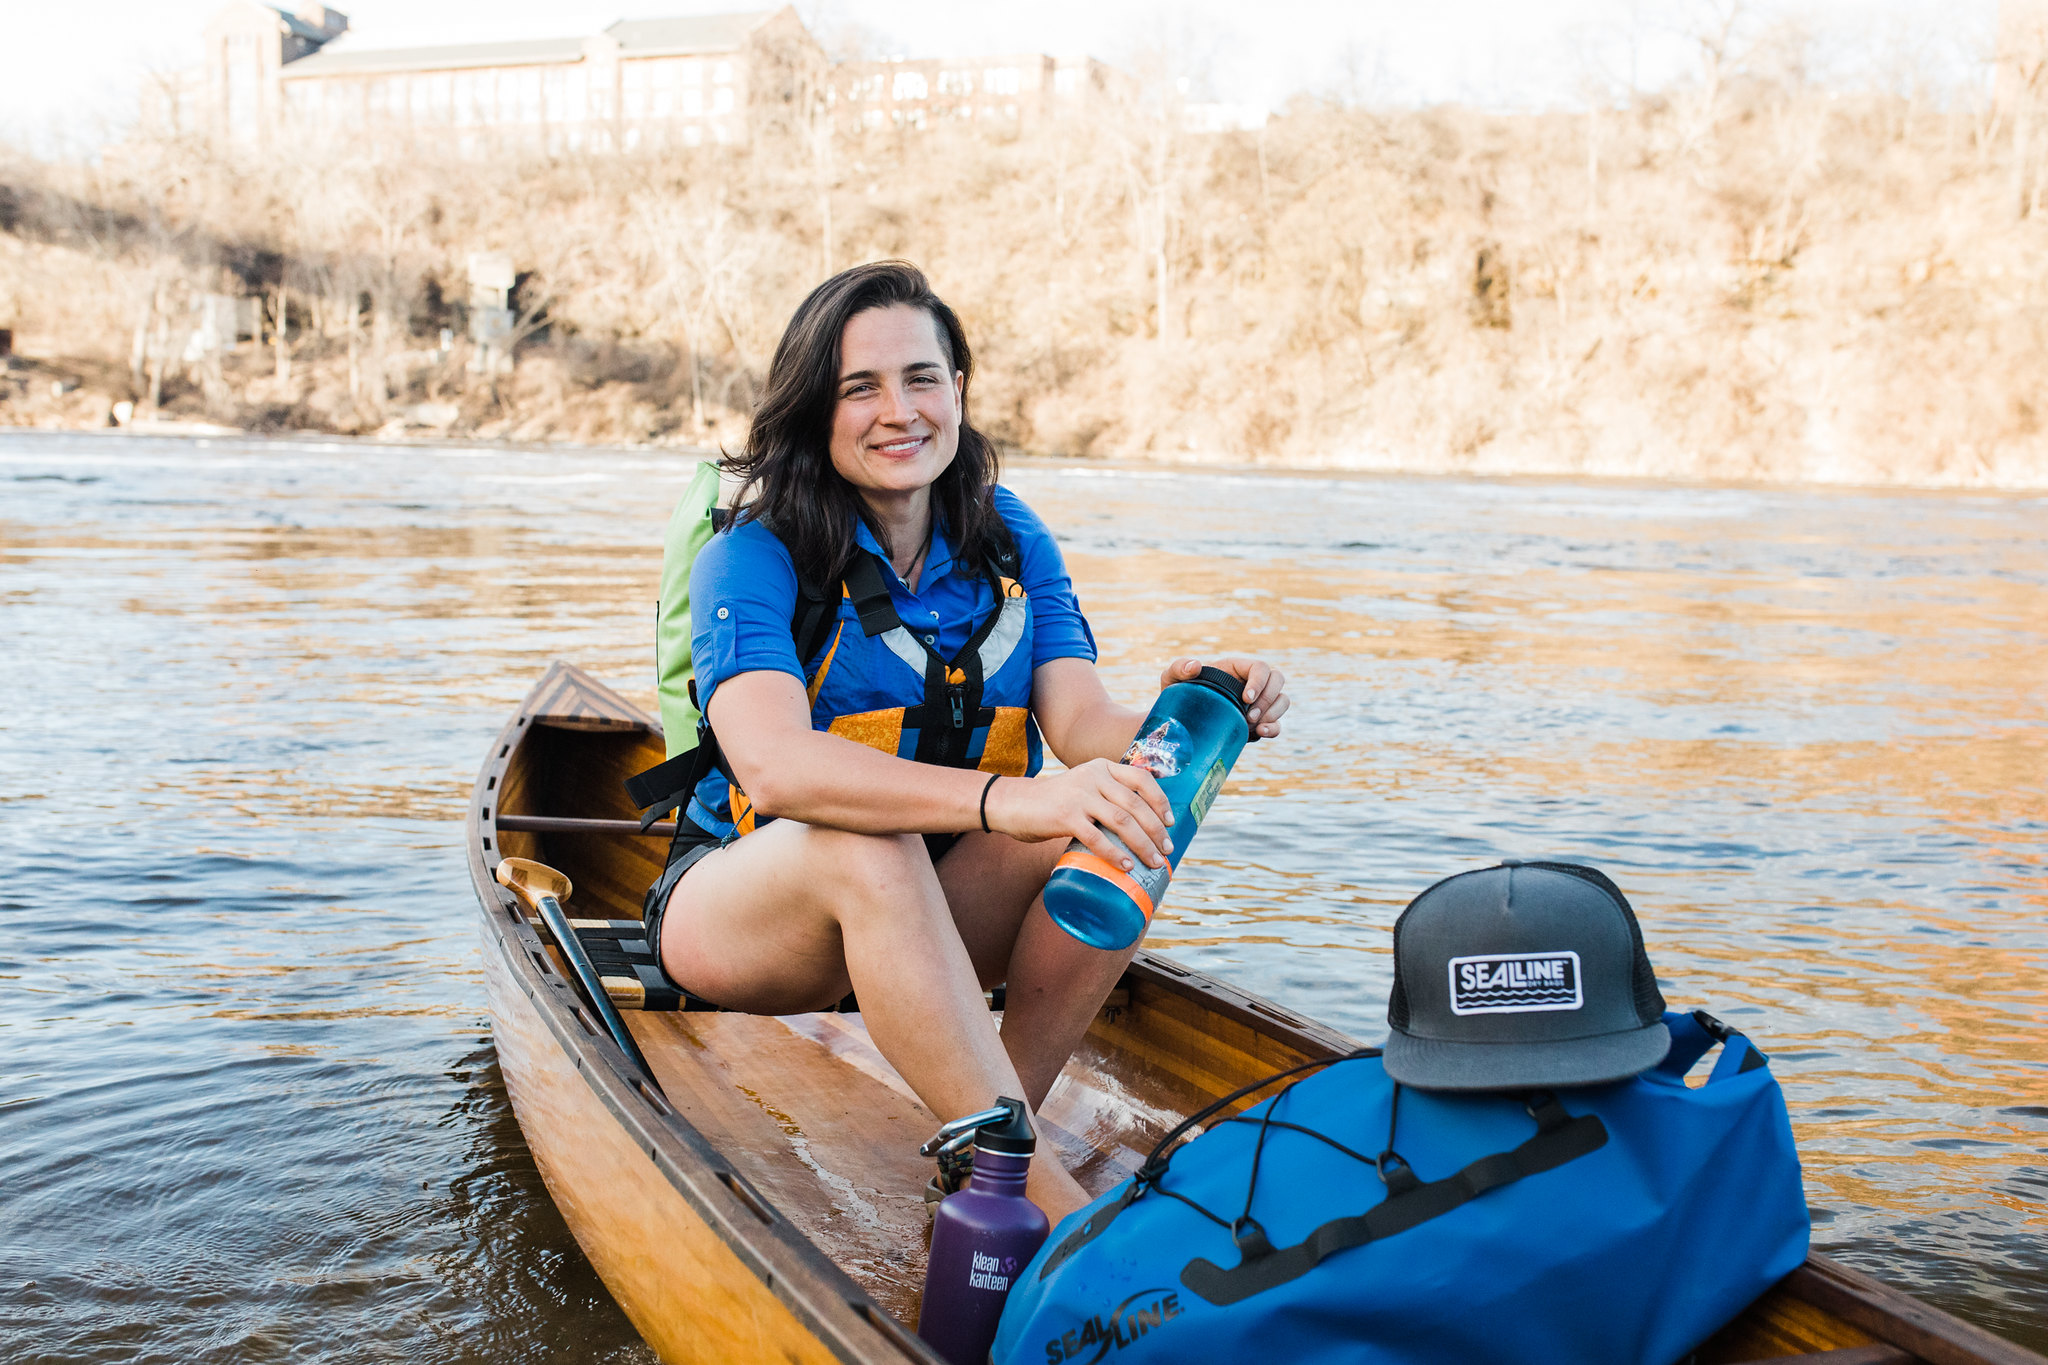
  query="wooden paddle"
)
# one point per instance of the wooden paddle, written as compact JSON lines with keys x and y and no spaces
{"x":542,"y":890}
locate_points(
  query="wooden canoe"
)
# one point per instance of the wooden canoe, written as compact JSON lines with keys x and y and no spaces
{"x":764,"y":1203}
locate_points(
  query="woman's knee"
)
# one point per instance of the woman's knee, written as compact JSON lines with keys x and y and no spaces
{"x":874,"y":873}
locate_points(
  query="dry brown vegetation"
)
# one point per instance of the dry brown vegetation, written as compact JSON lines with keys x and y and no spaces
{"x":1749,"y":277}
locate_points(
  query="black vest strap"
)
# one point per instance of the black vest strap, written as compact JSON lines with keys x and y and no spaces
{"x":870,"y":593}
{"x":666,"y":785}
{"x":1560,"y":1137}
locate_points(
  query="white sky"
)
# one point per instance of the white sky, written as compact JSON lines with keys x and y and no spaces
{"x":69,"y":69}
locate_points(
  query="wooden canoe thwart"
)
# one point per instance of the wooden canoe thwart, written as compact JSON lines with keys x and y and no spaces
{"x":765,"y":1202}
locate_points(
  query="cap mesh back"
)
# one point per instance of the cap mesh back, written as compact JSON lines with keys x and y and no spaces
{"x":1397,"y":1003}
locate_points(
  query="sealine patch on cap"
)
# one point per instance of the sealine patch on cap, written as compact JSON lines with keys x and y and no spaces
{"x":1516,"y":983}
{"x":1519,"y":977}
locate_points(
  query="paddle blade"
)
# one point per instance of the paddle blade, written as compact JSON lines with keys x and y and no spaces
{"x":530,"y":880}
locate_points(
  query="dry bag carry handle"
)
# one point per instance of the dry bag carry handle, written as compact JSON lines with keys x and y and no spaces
{"x":1560,"y":1137}
{"x":1693,"y":1035}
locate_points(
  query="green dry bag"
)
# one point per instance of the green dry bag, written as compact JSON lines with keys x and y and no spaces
{"x":689,"y":529}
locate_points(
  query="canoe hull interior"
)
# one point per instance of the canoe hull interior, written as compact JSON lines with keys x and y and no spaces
{"x":765,"y":1203}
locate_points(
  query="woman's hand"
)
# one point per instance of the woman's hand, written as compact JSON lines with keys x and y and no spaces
{"x":1082,"y":802}
{"x":1264,"y":688}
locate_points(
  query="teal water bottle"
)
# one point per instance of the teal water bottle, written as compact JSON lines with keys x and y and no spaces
{"x":1195,"y":732}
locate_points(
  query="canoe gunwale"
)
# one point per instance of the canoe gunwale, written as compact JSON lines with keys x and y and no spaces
{"x":1315,"y":1040}
{"x":824,"y":1298}
{"x":1898,"y":1319}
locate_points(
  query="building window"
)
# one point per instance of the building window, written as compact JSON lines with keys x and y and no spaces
{"x":635,"y":78}
{"x":528,"y":86}
{"x":721,"y":100}
{"x":693,"y":133}
{"x":1001,"y":80}
{"x":723,"y":75}
{"x":909,"y":85}
{"x":956,"y":82}
{"x":442,"y":88}
{"x":579,"y":98}
{"x":555,"y":86}
{"x":693,"y":101}
{"x":693,"y":73}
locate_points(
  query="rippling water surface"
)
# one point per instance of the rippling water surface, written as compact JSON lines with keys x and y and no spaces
{"x":249,"y":1108}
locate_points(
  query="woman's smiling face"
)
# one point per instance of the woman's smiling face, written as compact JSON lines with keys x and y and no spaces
{"x":896,"y":423}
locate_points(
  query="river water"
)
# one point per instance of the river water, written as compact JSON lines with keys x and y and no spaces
{"x":249,"y":1108}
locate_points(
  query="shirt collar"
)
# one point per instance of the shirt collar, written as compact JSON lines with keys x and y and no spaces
{"x":938,"y":560}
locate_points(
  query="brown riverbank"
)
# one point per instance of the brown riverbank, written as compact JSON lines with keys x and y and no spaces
{"x":1754,"y":279}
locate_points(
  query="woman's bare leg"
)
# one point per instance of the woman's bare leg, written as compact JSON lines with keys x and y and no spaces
{"x":1056,"y":982}
{"x":1056,"y":985}
{"x":788,"y":918}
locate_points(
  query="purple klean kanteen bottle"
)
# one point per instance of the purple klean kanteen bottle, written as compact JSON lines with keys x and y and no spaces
{"x":982,"y":1236}
{"x":1195,"y":732}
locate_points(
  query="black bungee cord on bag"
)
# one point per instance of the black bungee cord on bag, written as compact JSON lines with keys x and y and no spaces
{"x":1560,"y":1137}
{"x":1161,"y":1157}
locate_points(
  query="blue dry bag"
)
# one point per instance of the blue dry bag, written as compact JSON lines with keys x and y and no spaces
{"x":1616,"y":1223}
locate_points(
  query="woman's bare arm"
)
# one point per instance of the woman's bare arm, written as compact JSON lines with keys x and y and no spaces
{"x":1076,"y":714}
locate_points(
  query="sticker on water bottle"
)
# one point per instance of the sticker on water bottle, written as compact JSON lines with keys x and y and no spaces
{"x":1159,"y":752}
{"x":1213,"y":783}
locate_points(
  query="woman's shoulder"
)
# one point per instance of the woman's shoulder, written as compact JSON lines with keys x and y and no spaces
{"x":745,"y":551}
{"x":748,"y":539}
{"x":1016,"y":513}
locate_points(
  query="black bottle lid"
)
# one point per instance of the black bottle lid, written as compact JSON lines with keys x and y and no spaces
{"x":1011,"y":1136}
{"x":1223,"y":684}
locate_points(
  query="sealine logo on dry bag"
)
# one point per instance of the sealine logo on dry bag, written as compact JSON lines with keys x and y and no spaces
{"x":1515,"y":983}
{"x":1129,"y":1320}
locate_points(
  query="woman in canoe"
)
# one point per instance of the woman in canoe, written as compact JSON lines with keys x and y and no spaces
{"x":897,"y":830}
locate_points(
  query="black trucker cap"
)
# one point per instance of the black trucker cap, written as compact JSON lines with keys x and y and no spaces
{"x":1518,"y":977}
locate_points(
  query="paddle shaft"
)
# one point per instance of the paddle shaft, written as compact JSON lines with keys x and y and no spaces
{"x":586,"y":976}
{"x":565,"y":824}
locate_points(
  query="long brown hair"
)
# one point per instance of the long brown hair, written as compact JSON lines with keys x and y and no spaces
{"x":788,"y":483}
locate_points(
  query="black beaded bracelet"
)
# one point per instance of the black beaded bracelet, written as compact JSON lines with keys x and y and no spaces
{"x":984,"y":802}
